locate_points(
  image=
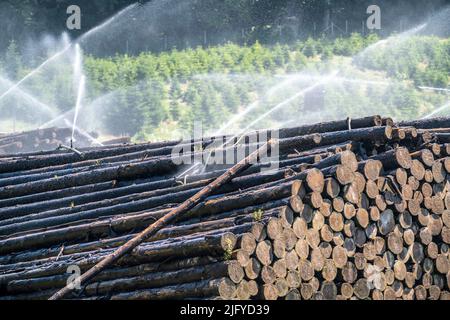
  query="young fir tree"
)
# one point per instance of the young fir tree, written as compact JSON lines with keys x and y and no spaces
{"x":12,"y":60}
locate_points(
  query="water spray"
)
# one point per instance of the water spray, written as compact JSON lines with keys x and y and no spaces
{"x":42,"y":106}
{"x":83,"y":133}
{"x":42,"y":65}
{"x":107,"y":22}
{"x":284,"y":103}
{"x":65,"y":49}
{"x":267,"y":113}
{"x":394,"y":39}
{"x":434,"y":89}
{"x":289,"y":80}
{"x":445,"y":106}
{"x":80,"y":80}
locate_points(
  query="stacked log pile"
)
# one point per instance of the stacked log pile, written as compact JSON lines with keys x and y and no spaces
{"x":38,"y":140}
{"x":355,"y":209}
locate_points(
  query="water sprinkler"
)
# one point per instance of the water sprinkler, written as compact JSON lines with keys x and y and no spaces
{"x":71,"y":148}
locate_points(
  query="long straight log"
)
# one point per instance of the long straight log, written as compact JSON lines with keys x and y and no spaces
{"x":27,"y":176}
{"x":438,"y":122}
{"x":339,"y":125}
{"x":381,"y":134}
{"x":62,"y":193}
{"x":204,"y":288}
{"x":123,"y":149}
{"x":198,"y":289}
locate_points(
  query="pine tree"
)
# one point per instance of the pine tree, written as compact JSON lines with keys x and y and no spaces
{"x":13,"y":62}
{"x":309,"y":49}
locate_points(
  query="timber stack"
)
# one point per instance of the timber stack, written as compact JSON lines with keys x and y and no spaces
{"x":351,"y":209}
{"x":39,"y":140}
